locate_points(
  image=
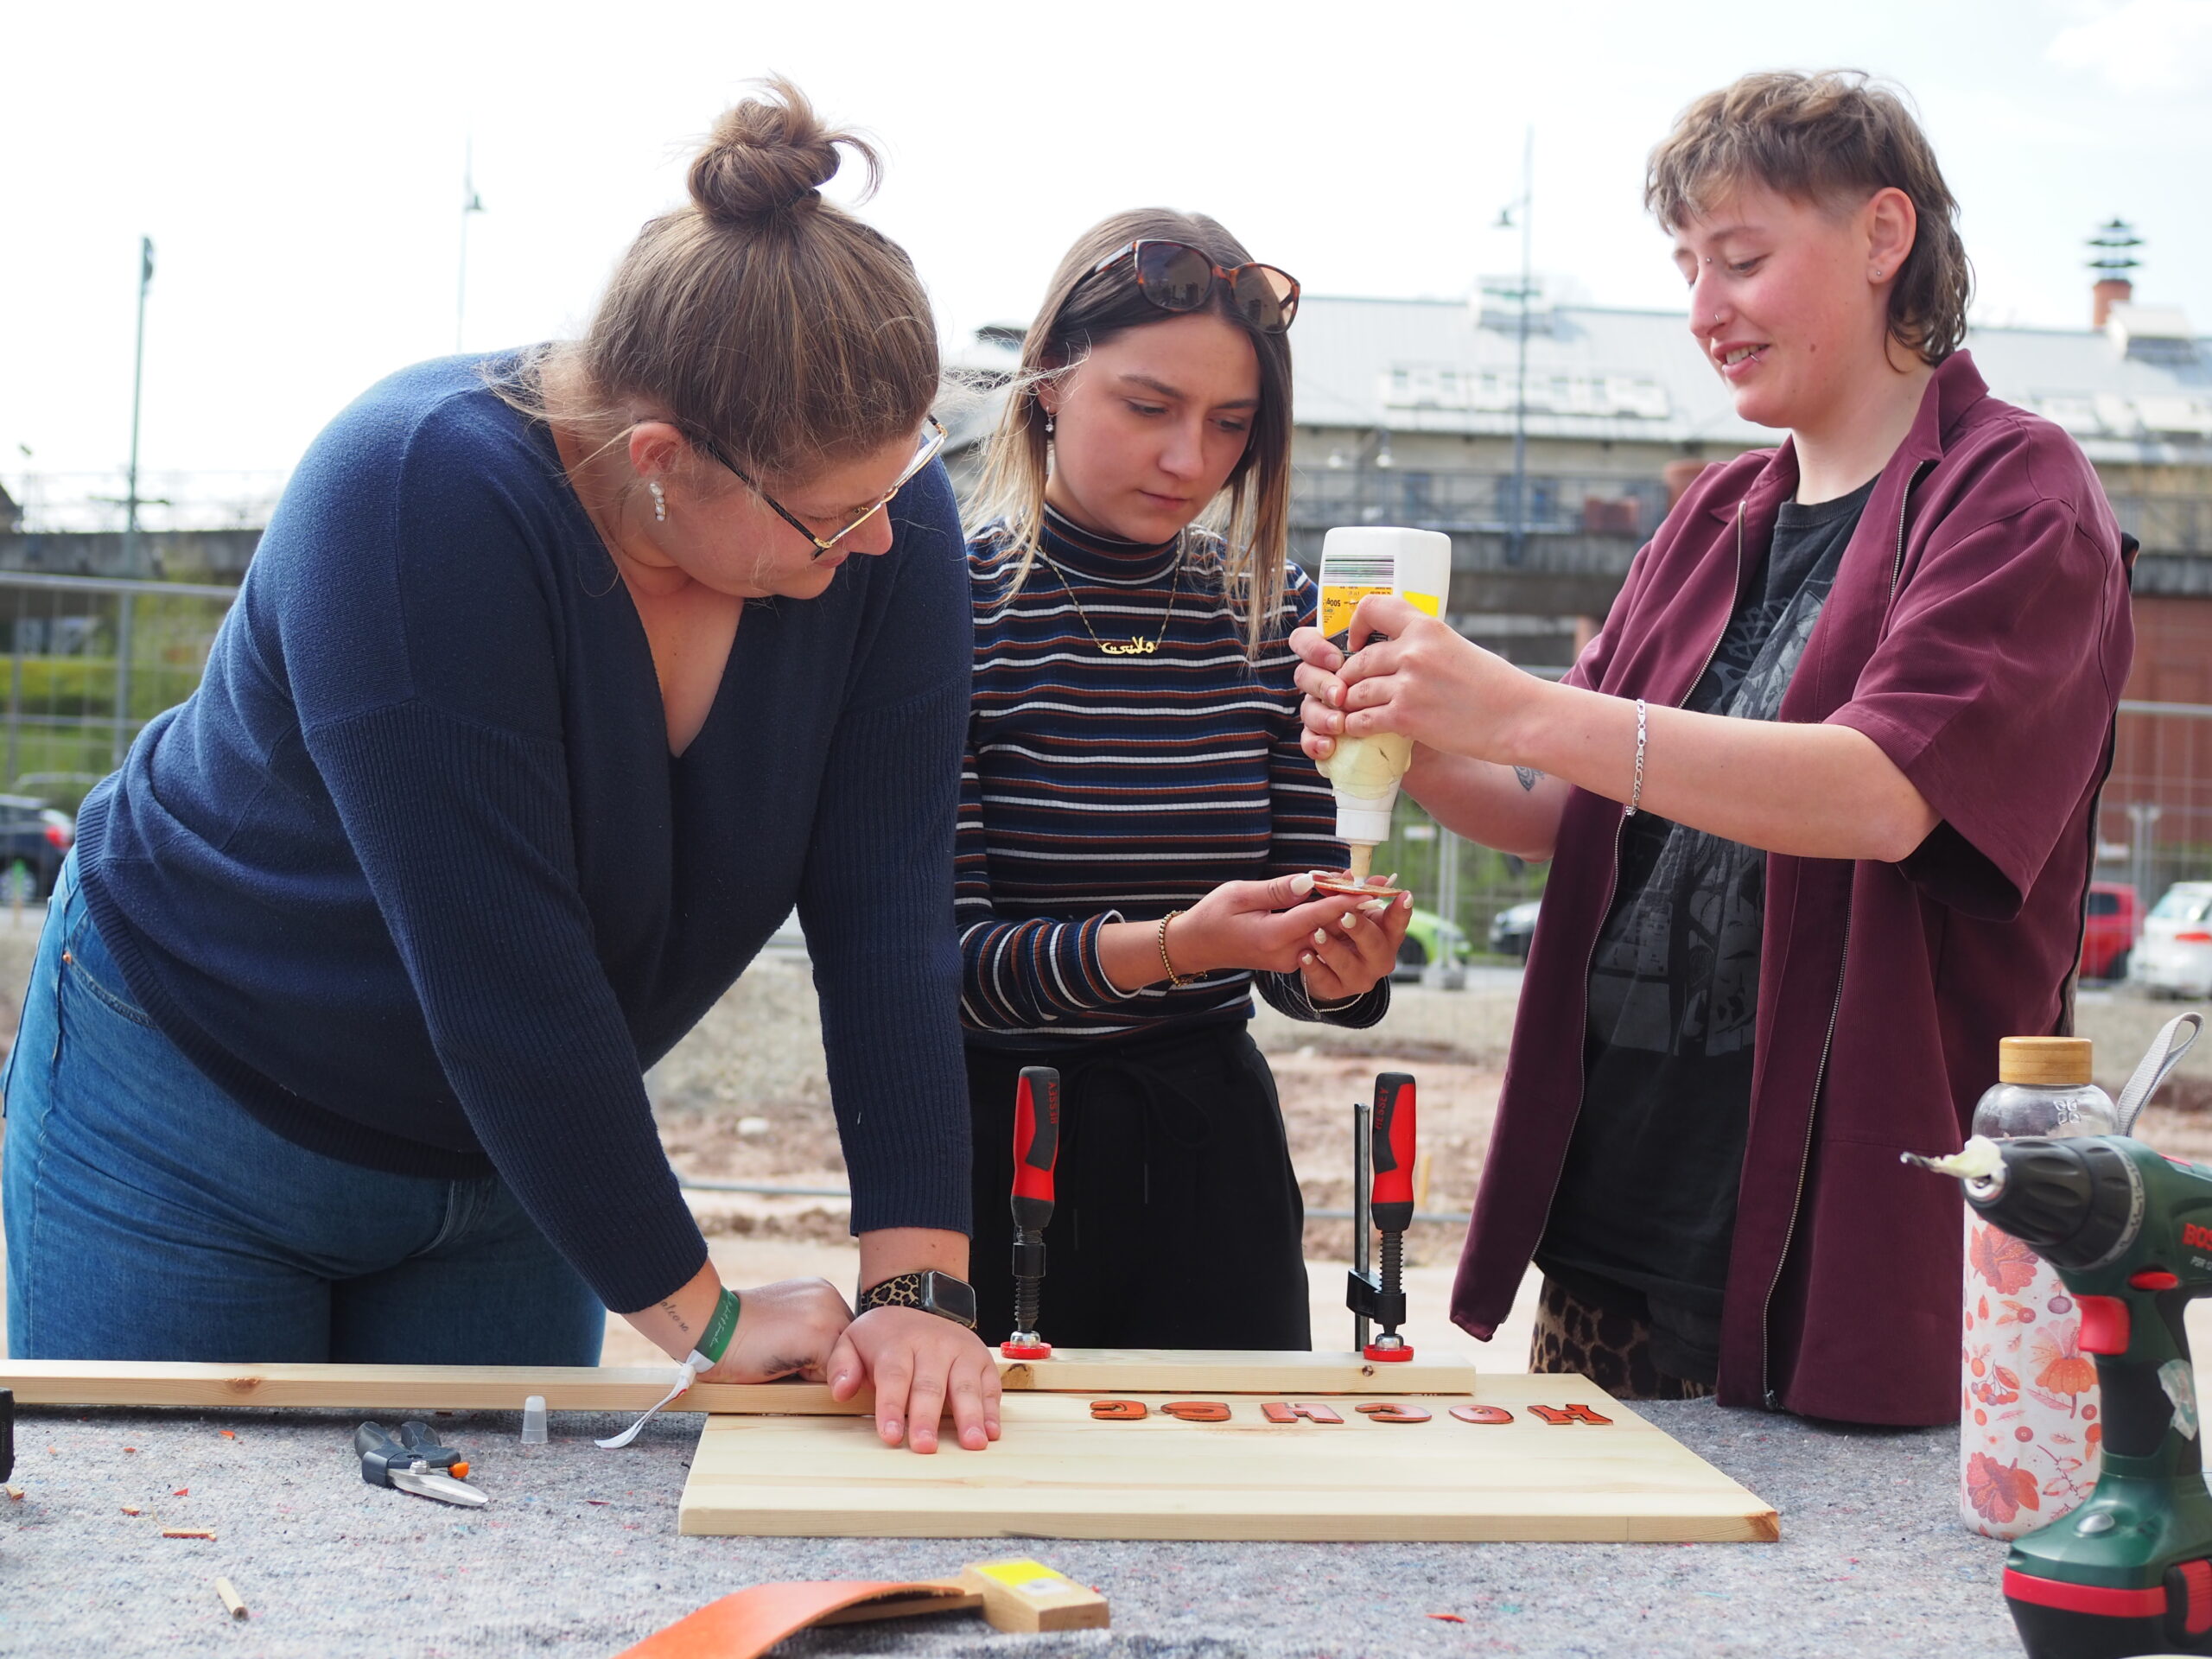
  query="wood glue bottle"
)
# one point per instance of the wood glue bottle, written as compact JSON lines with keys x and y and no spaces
{"x":1414,"y":565}
{"x":2030,"y":1426}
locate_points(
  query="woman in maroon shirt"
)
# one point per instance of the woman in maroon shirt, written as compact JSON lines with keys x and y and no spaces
{"x":1819,"y":796}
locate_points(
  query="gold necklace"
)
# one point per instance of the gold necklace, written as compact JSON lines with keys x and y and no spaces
{"x":1138,"y":645}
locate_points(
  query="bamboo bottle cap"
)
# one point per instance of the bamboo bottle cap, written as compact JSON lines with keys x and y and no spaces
{"x":2043,"y":1061}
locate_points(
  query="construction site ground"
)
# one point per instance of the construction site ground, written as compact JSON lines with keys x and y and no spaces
{"x":579,"y":1553}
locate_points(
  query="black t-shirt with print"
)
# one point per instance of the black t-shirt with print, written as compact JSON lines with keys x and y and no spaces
{"x":1648,"y":1196}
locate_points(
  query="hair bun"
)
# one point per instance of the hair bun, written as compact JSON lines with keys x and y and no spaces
{"x":768,"y":155}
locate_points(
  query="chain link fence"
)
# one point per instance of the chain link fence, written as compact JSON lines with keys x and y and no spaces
{"x":89,"y":662}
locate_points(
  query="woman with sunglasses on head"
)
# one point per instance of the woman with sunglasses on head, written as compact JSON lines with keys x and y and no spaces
{"x":558,"y":677}
{"x":1139,"y":826}
{"x":1819,"y":800}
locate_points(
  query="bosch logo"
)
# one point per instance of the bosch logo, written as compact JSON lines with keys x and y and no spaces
{"x":2194,"y":1238}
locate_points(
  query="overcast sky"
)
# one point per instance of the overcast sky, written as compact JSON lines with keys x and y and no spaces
{"x":299,"y":168}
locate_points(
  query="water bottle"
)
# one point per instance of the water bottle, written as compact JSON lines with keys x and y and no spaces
{"x":2029,"y":1427}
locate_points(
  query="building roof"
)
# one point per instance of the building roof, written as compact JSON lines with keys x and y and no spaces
{"x":2139,"y":390}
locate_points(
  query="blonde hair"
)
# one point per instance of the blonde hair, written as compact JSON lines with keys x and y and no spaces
{"x":757,"y":314}
{"x":1251,"y":514}
{"x":1816,"y":138}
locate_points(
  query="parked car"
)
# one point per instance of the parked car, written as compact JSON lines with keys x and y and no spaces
{"x":1512,"y":930}
{"x":1428,"y":938}
{"x":2174,"y":955}
{"x":2108,"y":930}
{"x":34,"y":834}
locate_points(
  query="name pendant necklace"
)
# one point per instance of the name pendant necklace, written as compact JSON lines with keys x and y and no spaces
{"x":1138,"y":645}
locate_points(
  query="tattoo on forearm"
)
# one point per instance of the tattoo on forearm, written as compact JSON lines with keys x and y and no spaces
{"x":1528,"y":775}
{"x":669,"y":1308}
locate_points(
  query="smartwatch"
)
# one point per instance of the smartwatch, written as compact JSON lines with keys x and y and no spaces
{"x":929,"y":1290}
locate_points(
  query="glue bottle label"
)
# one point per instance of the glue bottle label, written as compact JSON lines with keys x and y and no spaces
{"x":2031,"y":1431}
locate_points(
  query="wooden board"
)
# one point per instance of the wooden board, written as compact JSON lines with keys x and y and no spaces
{"x":1059,"y":1473}
{"x":633,"y":1388}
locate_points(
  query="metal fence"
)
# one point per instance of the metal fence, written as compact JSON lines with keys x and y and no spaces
{"x":2155,"y":825}
{"x":1474,"y":501}
{"x":89,"y":662}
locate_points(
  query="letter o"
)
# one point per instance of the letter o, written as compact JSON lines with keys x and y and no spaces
{"x":1197,"y":1411}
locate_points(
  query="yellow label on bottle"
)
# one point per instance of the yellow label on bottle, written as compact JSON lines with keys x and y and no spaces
{"x":1338,"y":603}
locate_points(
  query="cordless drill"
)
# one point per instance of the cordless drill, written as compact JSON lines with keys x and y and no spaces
{"x":2129,"y":1232}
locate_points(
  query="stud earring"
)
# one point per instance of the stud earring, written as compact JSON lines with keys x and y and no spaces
{"x":660,"y":499}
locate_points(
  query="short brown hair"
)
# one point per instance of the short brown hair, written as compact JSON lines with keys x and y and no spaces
{"x":757,"y":314}
{"x":1818,"y":138}
{"x":1082,"y":310}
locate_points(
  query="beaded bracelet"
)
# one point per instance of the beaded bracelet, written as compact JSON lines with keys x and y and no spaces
{"x":1173,"y":978}
{"x":1636,"y":790}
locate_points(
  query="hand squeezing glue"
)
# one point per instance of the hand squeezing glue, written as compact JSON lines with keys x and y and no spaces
{"x":1358,"y":562}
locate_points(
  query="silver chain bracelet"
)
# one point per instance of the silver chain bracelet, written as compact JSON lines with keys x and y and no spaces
{"x":1636,"y":792}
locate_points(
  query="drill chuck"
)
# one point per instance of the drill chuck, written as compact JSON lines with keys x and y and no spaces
{"x":2077,"y":1201}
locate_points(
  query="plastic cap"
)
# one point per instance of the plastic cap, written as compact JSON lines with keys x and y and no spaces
{"x":1367,"y":823}
{"x":533,"y":1420}
{"x":2061,"y":1061}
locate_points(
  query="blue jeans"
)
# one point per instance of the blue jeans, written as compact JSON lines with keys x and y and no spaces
{"x":149,"y":1216}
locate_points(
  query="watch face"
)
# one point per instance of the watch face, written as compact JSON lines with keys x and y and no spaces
{"x":943,"y":1294}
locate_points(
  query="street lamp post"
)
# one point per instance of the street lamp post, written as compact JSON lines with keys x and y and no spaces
{"x":471,"y":203}
{"x":133,"y":565}
{"x":1524,"y":206}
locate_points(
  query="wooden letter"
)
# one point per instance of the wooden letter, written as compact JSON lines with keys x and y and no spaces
{"x":1117,"y":1411}
{"x":1197,"y":1411}
{"x":1278,"y":1412}
{"x":1482,"y":1414}
{"x":1393,"y":1412}
{"x":1556,"y":1415}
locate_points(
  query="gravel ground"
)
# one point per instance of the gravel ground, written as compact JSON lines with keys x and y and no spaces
{"x":578,"y":1553}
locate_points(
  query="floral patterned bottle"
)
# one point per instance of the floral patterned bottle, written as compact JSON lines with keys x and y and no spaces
{"x":2029,"y":1427}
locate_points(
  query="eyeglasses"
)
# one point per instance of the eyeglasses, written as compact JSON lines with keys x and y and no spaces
{"x":1176,"y":276}
{"x":932,"y":441}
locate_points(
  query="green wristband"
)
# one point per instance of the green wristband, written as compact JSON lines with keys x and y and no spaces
{"x":720,"y":1329}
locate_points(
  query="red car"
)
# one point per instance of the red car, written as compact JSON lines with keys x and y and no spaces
{"x":2108,"y":930}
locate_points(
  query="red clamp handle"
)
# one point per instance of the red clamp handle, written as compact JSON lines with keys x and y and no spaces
{"x":1394,"y":1145}
{"x":1036,"y":1131}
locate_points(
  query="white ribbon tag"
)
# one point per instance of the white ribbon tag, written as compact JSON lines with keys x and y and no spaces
{"x":687,"y":1372}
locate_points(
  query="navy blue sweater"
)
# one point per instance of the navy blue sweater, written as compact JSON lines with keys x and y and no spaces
{"x":1102,"y":788}
{"x":414,"y":877}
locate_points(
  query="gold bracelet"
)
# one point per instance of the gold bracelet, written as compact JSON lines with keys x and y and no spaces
{"x":1173,"y":978}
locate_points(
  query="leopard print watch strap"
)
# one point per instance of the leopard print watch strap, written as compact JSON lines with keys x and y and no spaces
{"x":925,"y":1288}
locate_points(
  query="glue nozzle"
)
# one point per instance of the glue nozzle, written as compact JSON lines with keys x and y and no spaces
{"x":1978,"y":1160}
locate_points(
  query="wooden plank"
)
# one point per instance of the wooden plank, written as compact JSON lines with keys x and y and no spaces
{"x":1209,"y":1371}
{"x":633,"y":1388}
{"x":1059,"y":1472}
{"x":389,"y":1387}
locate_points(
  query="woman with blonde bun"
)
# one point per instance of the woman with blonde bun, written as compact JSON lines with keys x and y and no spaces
{"x":559,"y":678}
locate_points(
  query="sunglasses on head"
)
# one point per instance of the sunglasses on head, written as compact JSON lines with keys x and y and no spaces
{"x":1176,"y":276}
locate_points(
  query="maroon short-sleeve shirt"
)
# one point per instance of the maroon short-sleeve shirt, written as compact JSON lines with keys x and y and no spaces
{"x":1978,"y":633}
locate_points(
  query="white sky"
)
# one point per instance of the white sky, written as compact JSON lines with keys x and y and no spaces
{"x":299,"y":167}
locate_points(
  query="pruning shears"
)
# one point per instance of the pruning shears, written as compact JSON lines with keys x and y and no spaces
{"x":415,"y":1463}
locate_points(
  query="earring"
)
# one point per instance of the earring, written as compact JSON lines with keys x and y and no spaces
{"x":1048,"y":426}
{"x":660,"y":499}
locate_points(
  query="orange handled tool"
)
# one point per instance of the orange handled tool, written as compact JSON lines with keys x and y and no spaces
{"x":1036,"y":1149}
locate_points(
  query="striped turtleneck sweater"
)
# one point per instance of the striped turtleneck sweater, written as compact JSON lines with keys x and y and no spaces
{"x":1099,"y":788}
